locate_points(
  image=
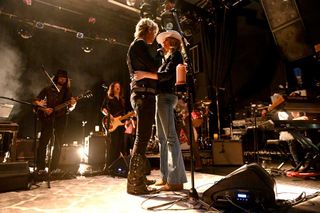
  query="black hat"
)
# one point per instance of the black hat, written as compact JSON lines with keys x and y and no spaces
{"x":61,"y":73}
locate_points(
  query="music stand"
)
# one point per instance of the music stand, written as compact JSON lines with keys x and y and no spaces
{"x":5,"y":110}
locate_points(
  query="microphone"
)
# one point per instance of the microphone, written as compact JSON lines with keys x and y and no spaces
{"x":160,"y":50}
{"x":104,"y":86}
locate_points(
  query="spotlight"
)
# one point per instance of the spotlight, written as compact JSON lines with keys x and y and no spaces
{"x":79,"y":35}
{"x":87,"y":49}
{"x":131,"y":3}
{"x":24,"y":33}
{"x":167,"y":20}
{"x":27,"y":2}
{"x":149,"y":9}
{"x":39,"y":25}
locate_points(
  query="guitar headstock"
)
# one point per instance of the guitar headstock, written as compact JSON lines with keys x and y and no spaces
{"x":86,"y":94}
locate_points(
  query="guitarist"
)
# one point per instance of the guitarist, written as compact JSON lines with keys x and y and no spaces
{"x":53,"y":123}
{"x":113,"y":106}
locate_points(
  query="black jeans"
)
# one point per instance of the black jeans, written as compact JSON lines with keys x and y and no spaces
{"x":144,"y":107}
{"x":114,"y":145}
{"x":46,"y":136}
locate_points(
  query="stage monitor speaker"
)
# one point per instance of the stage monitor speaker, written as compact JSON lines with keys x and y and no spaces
{"x":288,"y":28}
{"x":250,"y":186}
{"x":120,"y":167}
{"x":14,"y":176}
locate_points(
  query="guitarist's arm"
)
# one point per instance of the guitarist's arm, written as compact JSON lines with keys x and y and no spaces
{"x":73,"y":103}
{"x":105,"y":112}
{"x":41,"y":103}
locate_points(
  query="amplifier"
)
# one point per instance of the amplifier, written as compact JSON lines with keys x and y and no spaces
{"x":70,"y":158}
{"x":227,"y":152}
{"x":25,"y":149}
{"x":95,"y":148}
{"x":14,"y":176}
{"x":69,"y":155}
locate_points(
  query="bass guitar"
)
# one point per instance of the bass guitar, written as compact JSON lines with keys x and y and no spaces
{"x":110,"y":125}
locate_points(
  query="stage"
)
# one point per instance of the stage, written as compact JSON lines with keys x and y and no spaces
{"x":101,"y":193}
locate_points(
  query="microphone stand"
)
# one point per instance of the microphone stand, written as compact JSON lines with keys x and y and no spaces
{"x":192,"y":194}
{"x":190,"y":100}
{"x":52,"y":139}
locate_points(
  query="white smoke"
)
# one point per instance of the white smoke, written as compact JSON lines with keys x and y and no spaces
{"x":10,"y":69}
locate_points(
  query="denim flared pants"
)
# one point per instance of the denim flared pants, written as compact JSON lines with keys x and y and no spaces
{"x":171,"y":162}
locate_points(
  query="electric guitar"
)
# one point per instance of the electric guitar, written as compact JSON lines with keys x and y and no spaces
{"x":44,"y":115}
{"x":111,"y":125}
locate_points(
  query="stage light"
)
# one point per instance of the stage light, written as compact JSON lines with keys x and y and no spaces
{"x":87,"y":49}
{"x":149,"y":9}
{"x":27,"y":2}
{"x":25,"y":33}
{"x":131,"y":3}
{"x":82,"y":169}
{"x":39,"y":25}
{"x":167,"y":19}
{"x":79,"y":35}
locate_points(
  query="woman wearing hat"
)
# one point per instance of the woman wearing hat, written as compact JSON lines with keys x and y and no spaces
{"x":171,"y":162}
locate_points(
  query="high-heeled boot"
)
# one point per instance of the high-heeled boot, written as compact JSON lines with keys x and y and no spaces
{"x":136,"y":179}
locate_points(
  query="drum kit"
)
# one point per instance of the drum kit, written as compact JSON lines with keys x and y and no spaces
{"x":200,"y":117}
{"x":201,"y":120}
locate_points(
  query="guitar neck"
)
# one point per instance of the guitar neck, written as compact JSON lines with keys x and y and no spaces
{"x":126,"y":116}
{"x":61,"y":106}
{"x":65,"y":104}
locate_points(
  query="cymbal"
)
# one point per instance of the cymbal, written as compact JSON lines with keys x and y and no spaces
{"x":205,"y":102}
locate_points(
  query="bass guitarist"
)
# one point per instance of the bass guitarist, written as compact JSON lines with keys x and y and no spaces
{"x":53,"y":122}
{"x":112,"y":107}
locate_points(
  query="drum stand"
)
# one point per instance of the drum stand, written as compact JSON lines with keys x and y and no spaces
{"x":208,"y":140}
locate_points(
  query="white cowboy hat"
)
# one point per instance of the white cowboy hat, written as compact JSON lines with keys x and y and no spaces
{"x":169,"y":33}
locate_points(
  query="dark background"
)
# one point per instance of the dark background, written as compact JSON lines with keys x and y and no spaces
{"x":238,"y":54}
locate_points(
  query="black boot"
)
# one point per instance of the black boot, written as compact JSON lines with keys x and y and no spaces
{"x":149,"y":182}
{"x":136,"y":179}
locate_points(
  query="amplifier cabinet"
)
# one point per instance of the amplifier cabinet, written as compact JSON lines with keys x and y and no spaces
{"x":95,"y":148}
{"x":14,"y":176}
{"x":25,"y":149}
{"x":69,"y":155}
{"x":70,"y":158}
{"x":227,"y":152}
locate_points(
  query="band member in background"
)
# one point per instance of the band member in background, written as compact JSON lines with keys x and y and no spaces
{"x":142,"y":98}
{"x":53,"y":122}
{"x":172,"y":168}
{"x":112,"y":107}
{"x":296,"y":149}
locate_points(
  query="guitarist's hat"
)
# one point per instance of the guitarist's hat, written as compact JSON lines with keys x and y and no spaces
{"x":61,"y":73}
